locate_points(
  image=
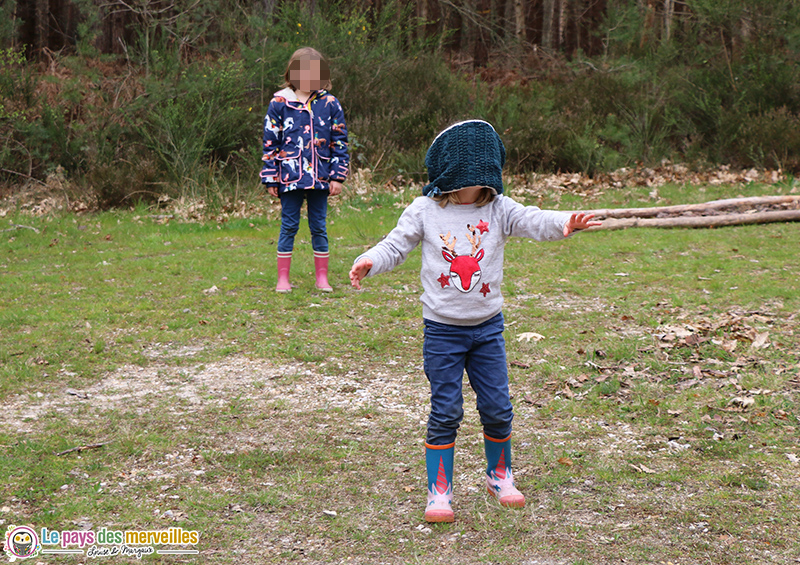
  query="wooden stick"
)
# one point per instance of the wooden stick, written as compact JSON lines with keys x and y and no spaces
{"x":736,"y":203}
{"x":23,"y":175}
{"x":83,"y":447}
{"x":718,"y":220}
{"x":20,"y":227}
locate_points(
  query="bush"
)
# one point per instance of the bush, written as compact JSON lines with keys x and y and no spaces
{"x":16,"y":92}
{"x":197,"y":120}
{"x":770,"y":139}
{"x":176,"y":116}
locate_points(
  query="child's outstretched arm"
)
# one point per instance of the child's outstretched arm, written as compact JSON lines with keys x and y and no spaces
{"x":394,"y":248}
{"x":579,"y":221}
{"x":359,"y":271}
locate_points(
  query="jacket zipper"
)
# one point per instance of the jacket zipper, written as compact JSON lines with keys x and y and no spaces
{"x":313,"y":147}
{"x":307,"y":107}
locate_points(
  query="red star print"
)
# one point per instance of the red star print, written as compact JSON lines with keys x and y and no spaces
{"x":483,"y":226}
{"x":444,"y":280}
{"x":485,"y":289}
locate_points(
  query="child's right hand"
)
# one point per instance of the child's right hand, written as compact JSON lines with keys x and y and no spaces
{"x":359,"y":271}
{"x":579,"y":222}
{"x":273,"y":190}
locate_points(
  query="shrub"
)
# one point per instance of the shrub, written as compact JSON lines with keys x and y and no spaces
{"x":197,"y":119}
{"x":770,"y":139}
{"x":16,"y":92}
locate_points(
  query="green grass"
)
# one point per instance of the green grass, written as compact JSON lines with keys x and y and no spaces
{"x":249,"y":414}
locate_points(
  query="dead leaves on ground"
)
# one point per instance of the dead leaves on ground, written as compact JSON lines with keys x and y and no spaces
{"x":713,"y":351}
{"x":651,"y":177}
{"x":735,"y":329}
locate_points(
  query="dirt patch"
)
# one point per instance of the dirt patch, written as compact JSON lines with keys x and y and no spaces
{"x":132,"y":388}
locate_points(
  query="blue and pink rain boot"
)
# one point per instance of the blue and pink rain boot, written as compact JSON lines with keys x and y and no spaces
{"x":499,"y":479}
{"x":439,"y":461}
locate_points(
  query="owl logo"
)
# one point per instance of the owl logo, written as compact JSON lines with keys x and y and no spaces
{"x":21,"y":542}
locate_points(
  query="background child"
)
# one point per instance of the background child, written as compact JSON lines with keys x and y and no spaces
{"x":462,"y":223}
{"x":305,"y":157}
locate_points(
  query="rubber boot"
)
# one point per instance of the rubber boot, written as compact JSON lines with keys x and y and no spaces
{"x":439,"y":461}
{"x":284,"y":265}
{"x":499,"y":478}
{"x":321,"y":270}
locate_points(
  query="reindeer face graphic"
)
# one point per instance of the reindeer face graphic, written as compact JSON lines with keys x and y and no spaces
{"x":465,"y":270}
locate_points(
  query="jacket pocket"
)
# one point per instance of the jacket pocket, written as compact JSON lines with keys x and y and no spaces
{"x":289,"y":167}
{"x":323,"y":166}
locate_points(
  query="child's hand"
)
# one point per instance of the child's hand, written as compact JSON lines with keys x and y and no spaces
{"x":335,"y":188}
{"x":578,"y":222}
{"x":273,"y":190}
{"x":359,"y":271}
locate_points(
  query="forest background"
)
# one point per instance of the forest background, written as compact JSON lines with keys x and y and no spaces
{"x":125,"y":100}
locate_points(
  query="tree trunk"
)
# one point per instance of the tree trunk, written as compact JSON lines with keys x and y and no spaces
{"x":590,"y":17}
{"x":117,"y":30}
{"x":422,"y":14}
{"x":669,"y":12}
{"x":519,"y":20}
{"x":649,"y":20}
{"x":548,"y":16}
{"x":41,"y":11}
{"x":480,"y":50}
{"x":46,"y":24}
{"x":561,"y":23}
{"x":499,"y":18}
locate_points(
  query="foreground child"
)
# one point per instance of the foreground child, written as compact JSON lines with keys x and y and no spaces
{"x":305,"y":158}
{"x":463,"y":223}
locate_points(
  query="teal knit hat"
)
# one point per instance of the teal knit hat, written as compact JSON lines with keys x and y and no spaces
{"x":465,"y":154}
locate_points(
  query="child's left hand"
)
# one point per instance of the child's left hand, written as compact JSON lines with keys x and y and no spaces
{"x":359,"y":271}
{"x":335,"y":188}
{"x":579,"y":221}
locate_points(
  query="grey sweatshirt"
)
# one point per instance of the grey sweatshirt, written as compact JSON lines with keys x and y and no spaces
{"x":462,"y":252}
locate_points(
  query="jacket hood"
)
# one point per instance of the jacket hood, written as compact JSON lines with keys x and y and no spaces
{"x":287,"y":93}
{"x":291,"y":95}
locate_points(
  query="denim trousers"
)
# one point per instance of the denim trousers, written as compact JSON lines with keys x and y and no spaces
{"x":291,"y":204}
{"x":480,"y":350}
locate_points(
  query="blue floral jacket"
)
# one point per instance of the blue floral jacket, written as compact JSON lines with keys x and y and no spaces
{"x":305,"y":145}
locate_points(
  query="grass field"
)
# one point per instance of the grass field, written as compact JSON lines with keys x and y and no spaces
{"x":656,"y":408}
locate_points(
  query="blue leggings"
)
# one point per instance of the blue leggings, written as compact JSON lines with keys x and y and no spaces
{"x":291,"y":204}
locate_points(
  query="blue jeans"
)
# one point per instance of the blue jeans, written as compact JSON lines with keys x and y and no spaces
{"x":481,"y":350}
{"x":291,"y":204}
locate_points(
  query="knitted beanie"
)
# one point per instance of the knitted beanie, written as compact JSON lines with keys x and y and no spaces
{"x":468,"y":153}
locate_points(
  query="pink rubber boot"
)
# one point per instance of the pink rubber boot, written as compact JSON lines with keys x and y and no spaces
{"x":284,"y":265}
{"x":321,"y":269}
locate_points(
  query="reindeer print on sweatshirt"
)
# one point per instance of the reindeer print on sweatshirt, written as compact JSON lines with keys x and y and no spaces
{"x":462,"y":253}
{"x":465,"y":270}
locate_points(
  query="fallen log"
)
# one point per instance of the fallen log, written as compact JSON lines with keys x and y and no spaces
{"x":712,"y":207}
{"x":718,"y":220}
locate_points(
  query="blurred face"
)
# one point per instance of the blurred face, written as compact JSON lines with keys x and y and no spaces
{"x":308,"y":75}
